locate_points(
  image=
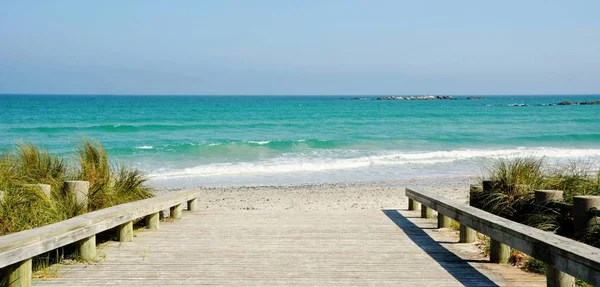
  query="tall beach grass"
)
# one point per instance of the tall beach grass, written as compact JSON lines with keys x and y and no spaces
{"x":24,"y":206}
{"x":511,"y":196}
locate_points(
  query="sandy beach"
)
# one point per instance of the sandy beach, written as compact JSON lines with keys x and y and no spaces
{"x":369,"y":195}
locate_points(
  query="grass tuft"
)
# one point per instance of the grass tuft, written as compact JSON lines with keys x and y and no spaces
{"x":24,"y":206}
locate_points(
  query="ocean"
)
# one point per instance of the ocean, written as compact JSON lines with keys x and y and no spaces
{"x":184,"y":141}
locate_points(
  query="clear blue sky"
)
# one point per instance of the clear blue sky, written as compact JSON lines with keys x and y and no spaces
{"x":300,"y":47}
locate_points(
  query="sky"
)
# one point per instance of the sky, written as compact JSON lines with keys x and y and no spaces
{"x":309,"y":47}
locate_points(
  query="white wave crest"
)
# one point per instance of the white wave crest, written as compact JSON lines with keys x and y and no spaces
{"x":316,"y":164}
{"x":259,"y":142}
{"x":144,"y":147}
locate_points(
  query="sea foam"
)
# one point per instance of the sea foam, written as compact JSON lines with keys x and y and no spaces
{"x":281,"y":165}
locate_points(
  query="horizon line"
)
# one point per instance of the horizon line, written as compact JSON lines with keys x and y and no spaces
{"x":287,"y":95}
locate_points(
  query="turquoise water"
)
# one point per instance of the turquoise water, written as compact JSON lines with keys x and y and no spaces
{"x":208,"y":140}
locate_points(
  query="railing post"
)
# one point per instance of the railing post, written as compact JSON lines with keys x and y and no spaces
{"x":582,"y":205}
{"x":19,"y":274}
{"x":192,"y":204}
{"x":467,"y":235}
{"x":177,"y":211}
{"x":545,"y":196}
{"x":554,"y":277}
{"x":153,"y":220}
{"x":444,"y":221}
{"x":79,"y":189}
{"x":499,"y":252}
{"x":87,"y":248}
{"x":44,"y":188}
{"x":413,"y":204}
{"x":487,"y":185}
{"x":426,"y":212}
{"x":126,"y":232}
{"x":557,"y":278}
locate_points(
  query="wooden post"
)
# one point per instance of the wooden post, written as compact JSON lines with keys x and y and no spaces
{"x":126,"y":232}
{"x":80,"y":190}
{"x":19,"y":274}
{"x":177,"y":211}
{"x":87,"y":248}
{"x":488,"y":185}
{"x":582,"y":219}
{"x":444,"y":221}
{"x":467,"y":235}
{"x":556,"y":278}
{"x":545,"y":196}
{"x":426,"y":212}
{"x":192,"y":204}
{"x":44,"y":188}
{"x":153,"y":220}
{"x":499,"y":252}
{"x":413,"y":204}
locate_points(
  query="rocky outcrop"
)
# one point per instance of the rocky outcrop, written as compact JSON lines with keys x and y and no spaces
{"x":567,"y":103}
{"x":414,"y":98}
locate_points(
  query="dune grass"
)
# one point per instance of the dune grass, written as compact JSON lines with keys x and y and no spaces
{"x":24,"y":206}
{"x":512,"y":197}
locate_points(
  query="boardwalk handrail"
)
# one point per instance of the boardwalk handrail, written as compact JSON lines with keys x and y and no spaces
{"x":22,"y":246}
{"x":572,"y":257}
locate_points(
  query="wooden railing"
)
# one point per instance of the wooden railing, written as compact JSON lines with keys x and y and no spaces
{"x":564,"y":257}
{"x":17,"y":249}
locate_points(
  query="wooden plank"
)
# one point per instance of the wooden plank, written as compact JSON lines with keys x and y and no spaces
{"x":293,"y":247}
{"x":575,"y":258}
{"x":23,"y":245}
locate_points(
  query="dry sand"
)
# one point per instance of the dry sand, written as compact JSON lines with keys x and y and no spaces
{"x":373,"y":195}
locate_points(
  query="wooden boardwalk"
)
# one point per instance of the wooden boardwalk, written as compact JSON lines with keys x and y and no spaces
{"x":293,"y":247}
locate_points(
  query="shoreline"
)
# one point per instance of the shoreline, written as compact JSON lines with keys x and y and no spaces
{"x":365,"y":195}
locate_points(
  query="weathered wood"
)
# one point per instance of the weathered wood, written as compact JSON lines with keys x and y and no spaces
{"x":487,"y":185}
{"x":467,"y":235}
{"x":293,"y":248}
{"x":153,"y":220}
{"x":413,"y":205}
{"x":87,"y":248}
{"x":426,"y":212}
{"x":126,"y":232}
{"x":554,"y":277}
{"x":444,"y":221}
{"x":192,"y":204}
{"x":499,"y":252}
{"x":545,"y":196}
{"x":79,"y":189}
{"x":23,"y":245}
{"x":177,"y":211}
{"x":43,"y":188}
{"x":19,"y":275}
{"x":574,"y":258}
{"x":582,"y":217}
